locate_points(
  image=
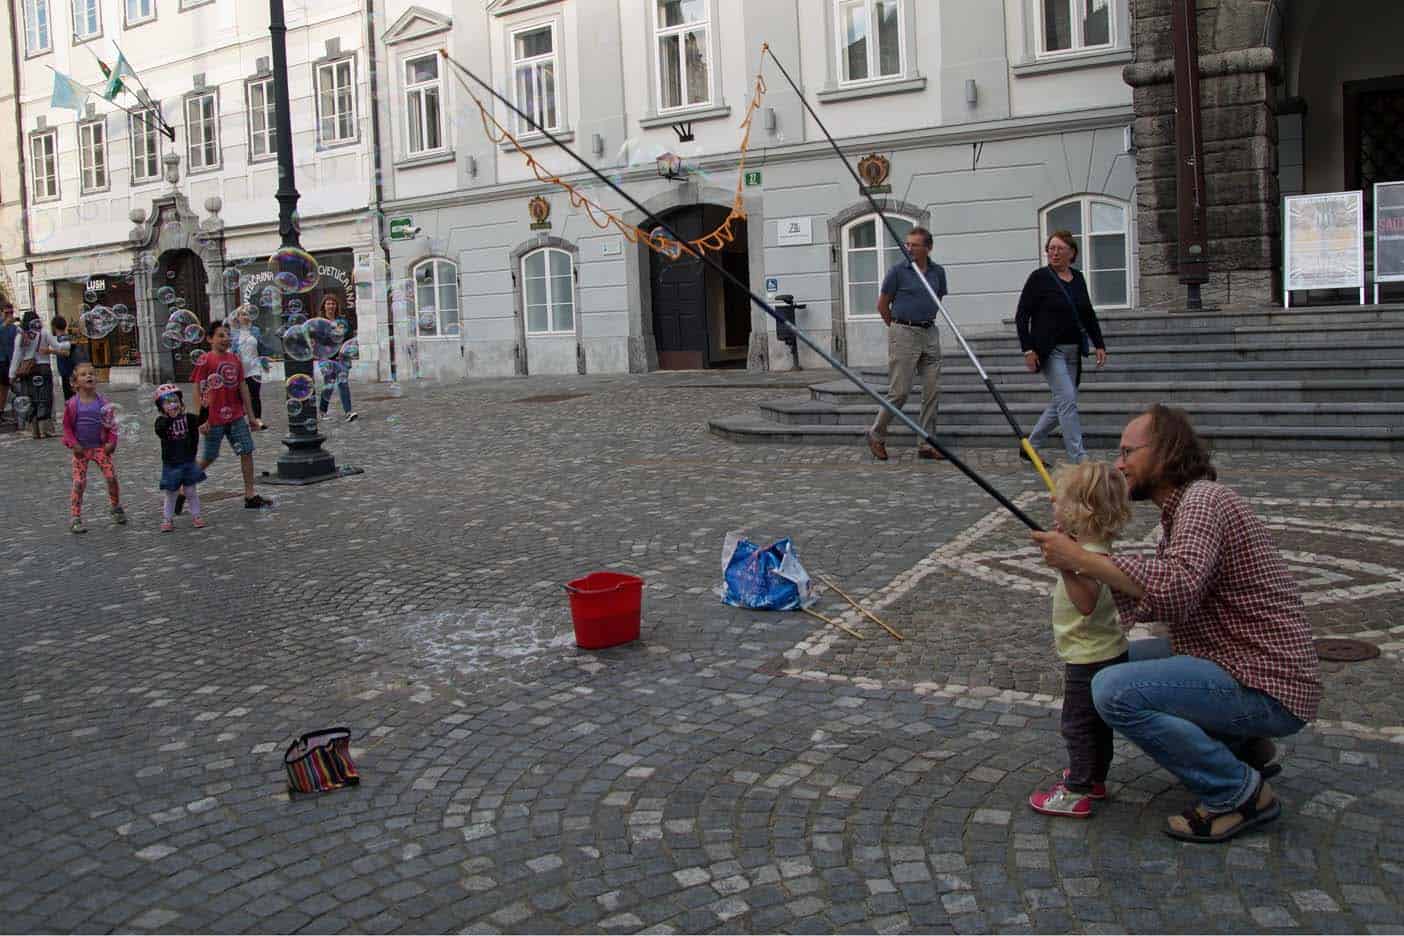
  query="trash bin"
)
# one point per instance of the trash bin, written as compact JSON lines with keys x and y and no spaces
{"x":786,"y":306}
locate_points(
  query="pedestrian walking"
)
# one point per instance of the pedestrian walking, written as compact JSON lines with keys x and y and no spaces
{"x":913,"y":340}
{"x":245,"y":344}
{"x":9,"y":331}
{"x":1090,"y":504}
{"x":224,"y":400}
{"x":1240,"y":666}
{"x":66,"y":363}
{"x":29,"y":362}
{"x":1057,"y":329}
{"x":90,"y":432}
{"x":335,"y":373}
{"x":179,"y":433}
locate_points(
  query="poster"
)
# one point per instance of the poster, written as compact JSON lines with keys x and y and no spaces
{"x":1324,"y":246}
{"x":1389,"y":232}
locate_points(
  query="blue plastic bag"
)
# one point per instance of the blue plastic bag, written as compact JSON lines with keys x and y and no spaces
{"x":769,"y":579}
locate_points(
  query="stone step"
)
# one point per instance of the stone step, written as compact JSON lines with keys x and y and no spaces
{"x":987,"y":413}
{"x":1239,"y":336}
{"x":1137,"y":320}
{"x":1119,"y":369}
{"x":1341,"y":353}
{"x":843,"y":392}
{"x":1099,"y":437}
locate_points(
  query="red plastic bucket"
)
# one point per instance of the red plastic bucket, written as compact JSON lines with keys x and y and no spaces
{"x":606,"y":608}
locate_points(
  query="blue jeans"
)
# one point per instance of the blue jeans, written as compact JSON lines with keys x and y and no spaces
{"x":1189,"y":715}
{"x":342,"y":388}
{"x":1060,"y":370}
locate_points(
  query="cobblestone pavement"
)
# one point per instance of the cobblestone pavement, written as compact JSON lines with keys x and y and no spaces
{"x":732,"y":771}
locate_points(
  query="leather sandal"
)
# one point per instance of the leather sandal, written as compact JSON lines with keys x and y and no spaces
{"x":1199,"y":825}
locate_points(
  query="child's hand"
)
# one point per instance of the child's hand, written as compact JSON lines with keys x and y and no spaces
{"x":204,"y":428}
{"x":258,"y":423}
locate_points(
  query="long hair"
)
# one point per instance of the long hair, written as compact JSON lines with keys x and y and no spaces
{"x":1092,"y":500}
{"x":322,"y":305}
{"x":1181,"y":453}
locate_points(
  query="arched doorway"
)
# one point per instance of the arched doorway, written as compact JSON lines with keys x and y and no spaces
{"x":700,"y":319}
{"x":182,"y":271}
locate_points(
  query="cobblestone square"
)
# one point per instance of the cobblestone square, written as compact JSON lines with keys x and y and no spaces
{"x":732,"y":771}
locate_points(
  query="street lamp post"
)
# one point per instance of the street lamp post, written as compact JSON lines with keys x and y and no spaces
{"x":305,"y":461}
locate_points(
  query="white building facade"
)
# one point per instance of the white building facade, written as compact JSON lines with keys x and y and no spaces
{"x":116,"y":211}
{"x":998,"y":122}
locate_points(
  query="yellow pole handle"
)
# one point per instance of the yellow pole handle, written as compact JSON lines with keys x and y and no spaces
{"x":1037,"y":463}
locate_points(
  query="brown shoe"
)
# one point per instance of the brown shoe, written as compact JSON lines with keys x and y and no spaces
{"x":930,"y":453}
{"x":876,"y":446}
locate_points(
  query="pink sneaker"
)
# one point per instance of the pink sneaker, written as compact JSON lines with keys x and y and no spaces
{"x":1058,"y":800}
{"x":1099,"y":790}
{"x":167,"y":526}
{"x":198,"y":523}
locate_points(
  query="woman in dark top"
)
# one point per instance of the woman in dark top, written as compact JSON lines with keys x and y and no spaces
{"x":1057,"y":327}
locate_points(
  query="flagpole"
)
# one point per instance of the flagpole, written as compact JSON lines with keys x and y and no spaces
{"x":87,"y":88}
{"x":150,"y":103}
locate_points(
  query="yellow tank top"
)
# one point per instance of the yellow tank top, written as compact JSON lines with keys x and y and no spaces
{"x":1087,"y":638}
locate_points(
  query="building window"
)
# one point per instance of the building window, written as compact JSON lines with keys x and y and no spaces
{"x":534,"y":71}
{"x":1074,"y":25}
{"x":145,"y":157}
{"x":44,"y":150}
{"x":864,"y":264}
{"x":1100,"y":227}
{"x":870,"y":36}
{"x":436,"y":299}
{"x":263,"y":129}
{"x":36,"y":26}
{"x":87,"y":19}
{"x":549,"y":289}
{"x":681,"y":44}
{"x":423,"y":103}
{"x":92,"y":155}
{"x":336,"y":102}
{"x":140,"y":11}
{"x":202,"y":131}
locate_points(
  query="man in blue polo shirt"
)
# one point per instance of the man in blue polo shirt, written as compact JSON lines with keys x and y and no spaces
{"x":913,"y":340}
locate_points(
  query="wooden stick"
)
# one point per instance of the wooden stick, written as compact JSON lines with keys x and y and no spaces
{"x":847,"y":630}
{"x":870,"y":615}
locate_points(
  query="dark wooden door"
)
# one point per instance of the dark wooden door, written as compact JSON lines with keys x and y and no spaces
{"x":1373,"y":121}
{"x":183,"y":272}
{"x":680,"y":299}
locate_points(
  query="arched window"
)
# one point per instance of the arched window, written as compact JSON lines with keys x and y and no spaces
{"x":549,"y":292}
{"x":1099,"y":224}
{"x":435,"y":298}
{"x":864,"y":264}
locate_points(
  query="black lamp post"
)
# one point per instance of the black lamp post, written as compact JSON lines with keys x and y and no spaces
{"x":305,"y":461}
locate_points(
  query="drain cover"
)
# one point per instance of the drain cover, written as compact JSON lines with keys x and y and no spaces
{"x":550,"y":398}
{"x":1340,"y":650}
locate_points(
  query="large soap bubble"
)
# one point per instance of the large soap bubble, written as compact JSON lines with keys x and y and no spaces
{"x":294,"y":270}
{"x":98,"y":322}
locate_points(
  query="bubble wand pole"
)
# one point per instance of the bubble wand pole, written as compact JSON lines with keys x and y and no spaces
{"x":1024,"y":444}
{"x":461,"y":70}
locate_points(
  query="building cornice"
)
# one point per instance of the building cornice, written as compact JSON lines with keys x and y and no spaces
{"x":899,"y":141}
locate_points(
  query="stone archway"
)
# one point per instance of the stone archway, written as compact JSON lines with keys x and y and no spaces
{"x":173,"y":228}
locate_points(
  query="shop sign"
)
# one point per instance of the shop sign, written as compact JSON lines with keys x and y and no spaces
{"x":753,"y":178}
{"x":333,"y":270}
{"x":1324,"y":242}
{"x":402,"y":229}
{"x":1389,"y":232}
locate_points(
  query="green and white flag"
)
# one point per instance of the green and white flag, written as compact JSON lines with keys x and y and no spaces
{"x":114,"y":85}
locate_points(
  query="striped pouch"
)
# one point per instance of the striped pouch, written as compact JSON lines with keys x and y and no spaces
{"x":320,"y":761}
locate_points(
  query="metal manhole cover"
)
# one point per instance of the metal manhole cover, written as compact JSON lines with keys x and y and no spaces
{"x":1341,"y":650}
{"x":550,"y":398}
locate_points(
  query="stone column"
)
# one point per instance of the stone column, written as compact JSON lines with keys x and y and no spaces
{"x":1238,"y":78}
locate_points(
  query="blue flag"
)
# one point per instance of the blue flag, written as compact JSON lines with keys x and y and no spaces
{"x":68,"y":93}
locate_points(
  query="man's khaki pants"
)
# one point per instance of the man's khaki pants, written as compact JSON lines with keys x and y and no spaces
{"x":911,"y":350}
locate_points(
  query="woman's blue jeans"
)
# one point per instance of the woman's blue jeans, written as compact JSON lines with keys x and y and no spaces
{"x":1060,"y":370}
{"x":344,"y":389}
{"x":1190,"y":716}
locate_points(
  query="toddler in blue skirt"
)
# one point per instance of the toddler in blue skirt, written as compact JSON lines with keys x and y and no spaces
{"x":179,"y":433}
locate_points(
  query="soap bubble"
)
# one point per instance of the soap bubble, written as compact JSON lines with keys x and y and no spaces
{"x":294,"y":270}
{"x":294,"y":408}
{"x":297,"y":344}
{"x":181,"y":319}
{"x":170,"y":340}
{"x":120,"y":309}
{"x":109,"y":415}
{"x":170,"y":274}
{"x":165,"y":295}
{"x":300,"y":387}
{"x":226,"y":413}
{"x":23,"y":407}
{"x":197,"y":356}
{"x":293,"y":306}
{"x":350,"y":351}
{"x":193,"y":334}
{"x":231,"y":279}
{"x":97,"y":322}
{"x":147,"y":263}
{"x":90,"y":295}
{"x":213,"y":382}
{"x":126,"y":323}
{"x":426,"y":319}
{"x":324,"y":338}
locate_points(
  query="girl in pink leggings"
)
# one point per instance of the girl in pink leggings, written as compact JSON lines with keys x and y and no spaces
{"x":90,"y":432}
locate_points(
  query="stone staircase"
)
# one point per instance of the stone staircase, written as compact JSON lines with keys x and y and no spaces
{"x":1323,"y":377}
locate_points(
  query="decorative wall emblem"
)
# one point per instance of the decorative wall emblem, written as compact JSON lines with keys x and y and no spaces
{"x":874,"y":169}
{"x":540,"y":210}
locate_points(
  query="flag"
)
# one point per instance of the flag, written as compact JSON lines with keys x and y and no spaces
{"x":68,"y":93}
{"x":114,"y":75}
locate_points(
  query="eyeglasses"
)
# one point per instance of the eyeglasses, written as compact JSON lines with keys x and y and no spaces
{"x":1126,"y":451}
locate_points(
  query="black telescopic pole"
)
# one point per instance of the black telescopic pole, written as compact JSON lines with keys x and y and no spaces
{"x":727,"y":275}
{"x":305,"y":460}
{"x":901,"y":245}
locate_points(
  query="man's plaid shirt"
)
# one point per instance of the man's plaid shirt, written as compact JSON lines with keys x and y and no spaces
{"x":1221,"y":585}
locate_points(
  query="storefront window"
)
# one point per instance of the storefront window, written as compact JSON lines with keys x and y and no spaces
{"x":119,"y":348}
{"x":255,"y":286}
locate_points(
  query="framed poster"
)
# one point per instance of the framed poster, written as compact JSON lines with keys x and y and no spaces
{"x":1389,"y":234}
{"x":1324,"y":243}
